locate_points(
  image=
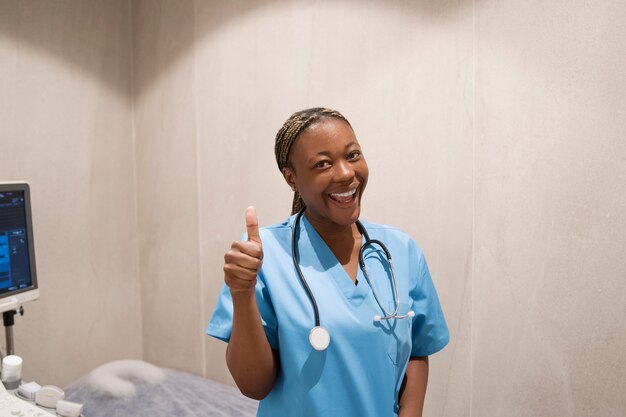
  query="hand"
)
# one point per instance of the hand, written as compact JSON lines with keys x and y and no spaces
{"x":243,"y":260}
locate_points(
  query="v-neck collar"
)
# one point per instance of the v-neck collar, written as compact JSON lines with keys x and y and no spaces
{"x":318,"y":248}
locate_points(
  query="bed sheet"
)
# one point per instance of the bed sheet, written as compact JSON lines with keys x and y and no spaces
{"x":179,"y":395}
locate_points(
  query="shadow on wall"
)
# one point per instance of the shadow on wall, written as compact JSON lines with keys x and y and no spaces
{"x":78,"y":34}
{"x":89,"y":38}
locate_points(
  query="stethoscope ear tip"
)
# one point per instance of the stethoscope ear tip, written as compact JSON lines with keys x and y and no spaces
{"x":377,"y":318}
{"x":411,"y":313}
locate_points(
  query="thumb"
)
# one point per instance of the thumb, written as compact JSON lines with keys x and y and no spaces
{"x":252,"y":224}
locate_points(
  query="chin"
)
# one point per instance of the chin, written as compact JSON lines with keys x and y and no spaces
{"x":348,"y":217}
{"x":331,"y":213}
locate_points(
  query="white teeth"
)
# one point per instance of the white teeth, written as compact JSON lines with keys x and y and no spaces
{"x":343,"y":195}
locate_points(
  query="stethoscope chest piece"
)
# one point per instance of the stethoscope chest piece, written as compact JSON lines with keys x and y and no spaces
{"x":319,"y":338}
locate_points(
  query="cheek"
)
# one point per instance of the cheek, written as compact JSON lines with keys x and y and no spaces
{"x":364,"y":172}
{"x":304,"y":185}
{"x":311,"y":187}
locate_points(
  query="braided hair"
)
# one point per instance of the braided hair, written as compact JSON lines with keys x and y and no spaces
{"x":287,"y":135}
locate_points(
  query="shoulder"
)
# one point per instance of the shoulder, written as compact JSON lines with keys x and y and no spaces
{"x":391,"y":235}
{"x":278,"y":231}
{"x":379,"y":229}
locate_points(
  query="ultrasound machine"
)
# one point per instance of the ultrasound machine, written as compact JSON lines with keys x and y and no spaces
{"x":18,"y":277}
{"x":18,"y":284}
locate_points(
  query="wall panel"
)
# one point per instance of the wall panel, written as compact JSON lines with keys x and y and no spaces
{"x":165,"y":134}
{"x":550,"y":226}
{"x":66,"y":127}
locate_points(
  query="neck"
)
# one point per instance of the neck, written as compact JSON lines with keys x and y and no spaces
{"x":344,"y":241}
{"x":332,"y":232}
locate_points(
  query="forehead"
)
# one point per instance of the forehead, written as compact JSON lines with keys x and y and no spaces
{"x":326,"y":135}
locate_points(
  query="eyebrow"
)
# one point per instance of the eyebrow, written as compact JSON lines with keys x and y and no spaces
{"x":326,"y":153}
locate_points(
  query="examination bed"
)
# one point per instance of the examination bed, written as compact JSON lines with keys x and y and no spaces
{"x":179,"y":394}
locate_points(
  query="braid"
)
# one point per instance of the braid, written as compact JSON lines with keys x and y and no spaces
{"x":288,"y":134}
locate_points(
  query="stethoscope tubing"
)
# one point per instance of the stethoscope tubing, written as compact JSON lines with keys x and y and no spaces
{"x":294,"y":257}
{"x":368,"y":242}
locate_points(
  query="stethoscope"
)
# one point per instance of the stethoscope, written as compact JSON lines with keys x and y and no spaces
{"x":319,"y":336}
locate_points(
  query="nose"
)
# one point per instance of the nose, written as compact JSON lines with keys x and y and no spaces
{"x":344,"y":172}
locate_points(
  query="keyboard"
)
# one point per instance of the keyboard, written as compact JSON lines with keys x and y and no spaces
{"x":11,"y":406}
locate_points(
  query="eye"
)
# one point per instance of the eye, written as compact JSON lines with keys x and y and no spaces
{"x":322,"y":164}
{"x":354,"y":155}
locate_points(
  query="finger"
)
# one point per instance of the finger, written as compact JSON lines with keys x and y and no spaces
{"x":239,"y":258}
{"x":252,"y":224}
{"x":240,"y":272}
{"x":249,"y":248}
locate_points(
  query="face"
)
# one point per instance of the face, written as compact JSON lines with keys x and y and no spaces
{"x":329,"y":171}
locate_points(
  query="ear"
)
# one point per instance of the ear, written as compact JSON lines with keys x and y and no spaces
{"x":290,"y":177}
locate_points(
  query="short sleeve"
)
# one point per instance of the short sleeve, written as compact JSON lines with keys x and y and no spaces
{"x":221,"y":323}
{"x":430,"y":332}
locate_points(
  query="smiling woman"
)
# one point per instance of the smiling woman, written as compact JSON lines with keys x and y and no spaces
{"x":296,"y":127}
{"x":376,"y":362}
{"x":326,"y":167}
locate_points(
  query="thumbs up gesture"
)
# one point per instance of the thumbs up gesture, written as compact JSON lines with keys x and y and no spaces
{"x":243,"y":260}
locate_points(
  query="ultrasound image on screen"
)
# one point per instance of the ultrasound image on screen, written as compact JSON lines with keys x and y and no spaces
{"x":15,"y":271}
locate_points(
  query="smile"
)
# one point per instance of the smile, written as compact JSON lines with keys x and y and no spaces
{"x":343,"y":197}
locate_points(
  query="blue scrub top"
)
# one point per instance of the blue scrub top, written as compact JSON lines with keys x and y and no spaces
{"x":361,"y":372}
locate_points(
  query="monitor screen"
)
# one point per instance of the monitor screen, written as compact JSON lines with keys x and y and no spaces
{"x":18,"y":279}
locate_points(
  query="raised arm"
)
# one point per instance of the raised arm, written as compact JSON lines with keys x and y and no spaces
{"x":250,"y":359}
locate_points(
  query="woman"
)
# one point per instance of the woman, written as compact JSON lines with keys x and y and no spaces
{"x":370,"y":367}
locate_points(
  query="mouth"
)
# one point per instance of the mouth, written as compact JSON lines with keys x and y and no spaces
{"x":345,"y":198}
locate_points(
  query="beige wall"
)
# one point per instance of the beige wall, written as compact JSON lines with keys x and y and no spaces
{"x":549,"y":272}
{"x":66,"y":127}
{"x":494,"y":133}
{"x":167,"y":193}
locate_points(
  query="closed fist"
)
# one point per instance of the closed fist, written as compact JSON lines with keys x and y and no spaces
{"x":243,"y":261}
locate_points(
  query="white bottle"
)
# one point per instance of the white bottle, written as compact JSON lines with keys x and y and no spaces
{"x":11,"y":372}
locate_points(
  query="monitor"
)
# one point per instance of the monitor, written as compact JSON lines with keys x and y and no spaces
{"x":18,"y":278}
